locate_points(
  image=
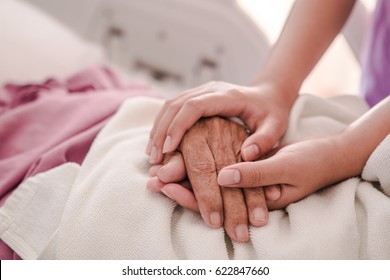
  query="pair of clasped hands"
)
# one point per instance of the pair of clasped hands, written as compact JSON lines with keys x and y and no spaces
{"x":230,"y":173}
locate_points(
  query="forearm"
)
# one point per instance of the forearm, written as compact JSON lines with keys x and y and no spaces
{"x":307,"y":33}
{"x":361,"y":138}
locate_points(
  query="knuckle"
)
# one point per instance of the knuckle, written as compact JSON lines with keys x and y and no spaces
{"x":172,"y":108}
{"x":168,"y":105}
{"x":191,"y":136}
{"x":235,"y":93}
{"x":203,"y":167}
{"x":210,"y":199}
{"x":196,"y":161}
{"x":256,"y":193}
{"x":255,"y":197}
{"x":253,"y":177}
{"x":232,"y":194}
{"x":193,"y":104}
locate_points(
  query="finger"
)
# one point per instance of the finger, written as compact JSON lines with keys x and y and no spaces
{"x":201,"y":172}
{"x":273,"y":192}
{"x":235,"y":214}
{"x":257,"y":206}
{"x":173,"y":169}
{"x":154,"y":169}
{"x":148,"y":149}
{"x":225,"y":153}
{"x":289,"y":194}
{"x":262,"y":140}
{"x":164,"y":118}
{"x":154,"y":184}
{"x":193,"y":109}
{"x":156,"y":124}
{"x":162,"y":112}
{"x":255,"y":174}
{"x":181,"y":195}
{"x":167,"y":105}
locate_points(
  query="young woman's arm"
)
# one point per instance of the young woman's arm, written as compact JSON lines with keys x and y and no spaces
{"x":307,"y":33}
{"x":304,"y":167}
{"x":265,"y":106}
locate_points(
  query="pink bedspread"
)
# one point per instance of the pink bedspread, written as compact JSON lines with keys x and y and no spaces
{"x":45,"y":125}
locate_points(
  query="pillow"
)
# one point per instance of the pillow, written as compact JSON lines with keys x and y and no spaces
{"x":35,"y":46}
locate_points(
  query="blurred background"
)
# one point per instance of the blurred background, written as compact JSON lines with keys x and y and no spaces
{"x":180,"y":44}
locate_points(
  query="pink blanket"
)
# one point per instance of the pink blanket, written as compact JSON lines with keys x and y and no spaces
{"x":45,"y":125}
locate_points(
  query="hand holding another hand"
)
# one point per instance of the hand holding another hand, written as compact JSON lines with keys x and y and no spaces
{"x":286,"y":175}
{"x":263,"y":108}
{"x":210,"y":145}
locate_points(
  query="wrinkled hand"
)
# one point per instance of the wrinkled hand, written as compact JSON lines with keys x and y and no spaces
{"x":264,"y":109}
{"x":294,"y":171}
{"x":210,"y":145}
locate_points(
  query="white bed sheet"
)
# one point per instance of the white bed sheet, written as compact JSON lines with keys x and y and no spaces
{"x":102,"y":210}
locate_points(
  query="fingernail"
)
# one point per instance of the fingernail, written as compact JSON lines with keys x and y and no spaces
{"x":164,"y":191}
{"x":242,"y":233}
{"x":154,"y":155}
{"x":165,"y":177}
{"x":229,"y":177}
{"x":167,"y":144}
{"x":259,"y":214}
{"x":251,"y":152}
{"x":215,"y":219}
{"x":149,"y":147}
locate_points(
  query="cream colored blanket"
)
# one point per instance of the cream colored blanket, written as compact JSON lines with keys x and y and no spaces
{"x":102,"y":210}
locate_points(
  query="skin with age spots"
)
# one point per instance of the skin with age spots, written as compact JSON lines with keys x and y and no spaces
{"x":210,"y":145}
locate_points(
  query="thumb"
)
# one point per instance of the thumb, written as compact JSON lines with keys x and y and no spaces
{"x":253,"y":174}
{"x":262,"y":140}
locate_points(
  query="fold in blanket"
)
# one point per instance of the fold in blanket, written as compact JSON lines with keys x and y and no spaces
{"x":45,"y":125}
{"x":102,"y":210}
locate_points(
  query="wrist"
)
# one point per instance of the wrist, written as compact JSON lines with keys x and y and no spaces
{"x":285,"y":93}
{"x":354,"y":152}
{"x":361,"y":138}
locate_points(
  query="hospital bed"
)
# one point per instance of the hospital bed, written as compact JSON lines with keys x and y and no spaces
{"x":148,"y":38}
{"x":99,"y":208}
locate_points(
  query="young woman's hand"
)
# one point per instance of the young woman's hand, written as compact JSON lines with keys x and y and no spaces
{"x":294,"y":171}
{"x":263,"y":108}
{"x":302,"y":168}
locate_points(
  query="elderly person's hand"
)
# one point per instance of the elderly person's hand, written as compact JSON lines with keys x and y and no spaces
{"x":295,"y":171}
{"x":210,"y":145}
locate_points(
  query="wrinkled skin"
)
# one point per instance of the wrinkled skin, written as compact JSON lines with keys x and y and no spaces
{"x":210,"y":145}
